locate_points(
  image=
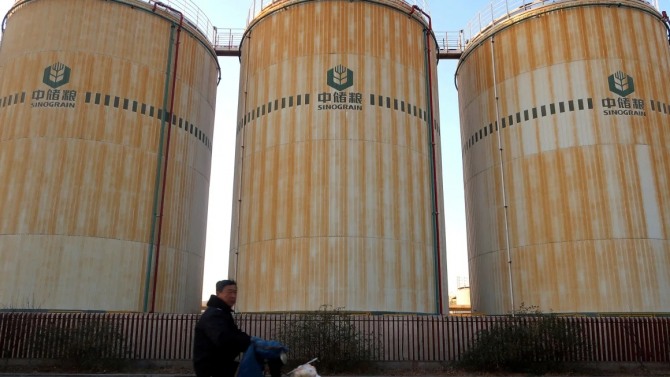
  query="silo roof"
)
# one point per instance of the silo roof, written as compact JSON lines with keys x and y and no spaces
{"x":257,"y":6}
{"x":500,"y":10}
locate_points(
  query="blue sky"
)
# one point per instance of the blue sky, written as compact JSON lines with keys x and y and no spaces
{"x":447,"y":15}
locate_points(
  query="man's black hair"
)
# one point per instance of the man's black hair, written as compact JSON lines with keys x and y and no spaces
{"x":224,"y":283}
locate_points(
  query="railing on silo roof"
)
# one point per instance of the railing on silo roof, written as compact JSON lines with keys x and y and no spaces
{"x":193,"y":16}
{"x":258,"y":5}
{"x":500,"y":10}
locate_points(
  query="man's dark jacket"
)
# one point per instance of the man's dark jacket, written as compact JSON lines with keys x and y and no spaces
{"x":218,"y":341}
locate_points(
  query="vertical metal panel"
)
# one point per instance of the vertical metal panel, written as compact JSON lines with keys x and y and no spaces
{"x":587,"y":189}
{"x":334,"y":206}
{"x":77,"y":182}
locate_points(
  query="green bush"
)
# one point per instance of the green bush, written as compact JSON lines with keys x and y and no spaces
{"x":81,"y":344}
{"x":529,"y":341}
{"x":90,"y":345}
{"x":330,"y":336}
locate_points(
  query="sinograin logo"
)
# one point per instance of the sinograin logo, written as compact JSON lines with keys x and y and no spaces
{"x":621,"y":84}
{"x":340,"y":77}
{"x":56,"y":75}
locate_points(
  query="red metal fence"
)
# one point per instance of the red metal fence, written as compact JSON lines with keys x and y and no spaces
{"x":402,"y":337}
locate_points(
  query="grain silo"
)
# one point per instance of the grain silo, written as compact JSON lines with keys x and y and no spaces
{"x":96,"y":99}
{"x":336,"y":181}
{"x":565,"y":108}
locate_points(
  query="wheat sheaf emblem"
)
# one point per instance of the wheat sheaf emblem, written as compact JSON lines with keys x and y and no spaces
{"x":56,"y":75}
{"x":622,"y":84}
{"x":340,"y":77}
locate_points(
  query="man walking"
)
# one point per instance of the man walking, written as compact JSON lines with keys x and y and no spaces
{"x":218,"y":340}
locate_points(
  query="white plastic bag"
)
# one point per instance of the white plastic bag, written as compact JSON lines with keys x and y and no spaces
{"x":305,"y":370}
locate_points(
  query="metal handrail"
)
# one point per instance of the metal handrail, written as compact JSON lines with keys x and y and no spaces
{"x":258,"y":6}
{"x":231,"y":39}
{"x":450,"y":40}
{"x":228,"y":39}
{"x":193,"y":16}
{"x":500,"y":10}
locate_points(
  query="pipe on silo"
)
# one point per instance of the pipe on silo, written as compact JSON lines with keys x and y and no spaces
{"x":167,"y":146}
{"x":157,"y":183}
{"x":502,"y":178}
{"x":431,"y":120}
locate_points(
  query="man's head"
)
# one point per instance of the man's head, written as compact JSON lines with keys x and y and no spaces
{"x":226,"y":290}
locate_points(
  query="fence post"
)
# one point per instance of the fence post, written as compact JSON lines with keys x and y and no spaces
{"x":493,"y":19}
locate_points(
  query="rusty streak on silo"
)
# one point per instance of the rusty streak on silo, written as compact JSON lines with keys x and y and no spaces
{"x":86,"y":91}
{"x":564,"y":122}
{"x":334,"y":200}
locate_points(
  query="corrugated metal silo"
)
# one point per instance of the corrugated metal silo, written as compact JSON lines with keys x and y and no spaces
{"x":86,"y":96}
{"x":335,"y":186}
{"x":564,"y":118}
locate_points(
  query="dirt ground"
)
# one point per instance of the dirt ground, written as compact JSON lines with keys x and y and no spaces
{"x":408,"y":369}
